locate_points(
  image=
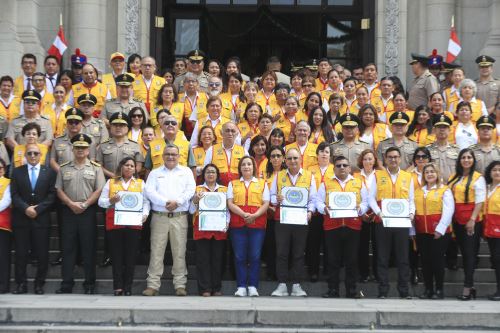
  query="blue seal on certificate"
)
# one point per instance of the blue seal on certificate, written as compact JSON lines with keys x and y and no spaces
{"x":395,"y":208}
{"x":212,"y":201}
{"x":294,"y":196}
{"x":342,"y":200}
{"x":129,"y":201}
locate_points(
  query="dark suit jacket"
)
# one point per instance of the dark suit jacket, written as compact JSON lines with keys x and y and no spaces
{"x":43,"y":196}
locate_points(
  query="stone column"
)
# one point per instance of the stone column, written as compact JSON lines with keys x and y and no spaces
{"x":11,"y":48}
{"x":492,"y":45}
{"x":438,"y":23}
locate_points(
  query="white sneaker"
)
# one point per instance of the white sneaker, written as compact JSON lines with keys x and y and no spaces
{"x":252,"y":292}
{"x":281,"y":290}
{"x":241,"y":292}
{"x":297,"y":291}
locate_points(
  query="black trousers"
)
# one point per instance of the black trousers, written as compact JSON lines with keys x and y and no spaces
{"x":494,"y":245}
{"x":124,"y":246}
{"x":468,"y":248}
{"x":209,"y":254}
{"x":432,"y":252}
{"x":315,"y":239}
{"x":367,"y":238}
{"x":387,"y":239}
{"x":79,"y":229}
{"x":269,"y":250}
{"x":342,"y":246}
{"x":5,"y":247}
{"x":25,"y":239}
{"x":290,"y":238}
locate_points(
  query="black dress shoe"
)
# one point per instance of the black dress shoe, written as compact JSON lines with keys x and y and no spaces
{"x":364,"y":279}
{"x":494,"y":297}
{"x":39,"y":290}
{"x":331,"y":293}
{"x":439,"y":294}
{"x":106,"y":262}
{"x":118,"y":292}
{"x":382,"y":296}
{"x":57,"y":262}
{"x":405,"y":295}
{"x":414,"y":277}
{"x":127,"y":293}
{"x":89,"y":290}
{"x":64,"y":291}
{"x":427,"y":294}
{"x":20,"y":289}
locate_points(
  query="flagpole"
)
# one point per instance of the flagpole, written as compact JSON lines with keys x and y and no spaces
{"x":60,"y":25}
{"x":452,"y":21}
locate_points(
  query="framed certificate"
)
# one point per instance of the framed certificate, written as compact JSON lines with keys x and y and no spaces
{"x":213,"y":212}
{"x":213,"y":201}
{"x":293,"y":209}
{"x":342,"y":204}
{"x":125,"y":218}
{"x":396,"y":213}
{"x":128,"y":211}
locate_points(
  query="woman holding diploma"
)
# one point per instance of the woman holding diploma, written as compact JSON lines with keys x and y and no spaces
{"x":434,"y":207}
{"x":248,"y":200}
{"x":492,"y":220}
{"x":209,"y":244}
{"x":469,"y":190}
{"x":124,"y":239}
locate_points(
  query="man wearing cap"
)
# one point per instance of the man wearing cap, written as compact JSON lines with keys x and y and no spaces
{"x":488,"y":88}
{"x":31,"y":103}
{"x":79,"y":184}
{"x":195,"y":66}
{"x":147,"y":86}
{"x":118,"y":146}
{"x":399,"y":124}
{"x":447,"y":70}
{"x":77,"y":61}
{"x":117,"y":64}
{"x":349,"y":147}
{"x":90,"y":85}
{"x":486,"y":150}
{"x":435,"y":63}
{"x":123,"y":101}
{"x":424,"y":84}
{"x":23,"y":82}
{"x":443,"y":153}
{"x":90,"y":125}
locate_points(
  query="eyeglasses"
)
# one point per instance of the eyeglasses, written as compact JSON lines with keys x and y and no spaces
{"x":309,"y":85}
{"x":170,"y":122}
{"x":392,"y":157}
{"x":230,"y":131}
{"x":136,"y":115}
{"x":170,"y":155}
{"x":195,"y":61}
{"x":211,"y":172}
{"x":147,"y":65}
{"x":73,"y":122}
{"x":32,"y":153}
{"x":340,"y":166}
{"x":421,"y":157}
{"x":292,"y":158}
{"x":214,"y":84}
{"x":276,"y":155}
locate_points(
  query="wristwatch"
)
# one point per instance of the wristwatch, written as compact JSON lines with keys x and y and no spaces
{"x":84,"y":205}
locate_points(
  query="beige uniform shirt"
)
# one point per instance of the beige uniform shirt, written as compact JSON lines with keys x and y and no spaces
{"x":488,"y":92}
{"x":485,"y":157}
{"x":109,"y":153}
{"x":4,"y":125}
{"x":97,"y":130}
{"x":407,"y":149}
{"x":351,"y":152}
{"x":79,"y":182}
{"x":114,"y":105}
{"x":423,"y":87}
{"x":62,"y":150}
{"x":3,"y":154}
{"x":445,"y":158}
{"x":202,"y":82}
{"x":16,"y":126}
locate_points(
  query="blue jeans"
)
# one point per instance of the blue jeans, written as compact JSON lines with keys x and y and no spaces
{"x":247,"y":247}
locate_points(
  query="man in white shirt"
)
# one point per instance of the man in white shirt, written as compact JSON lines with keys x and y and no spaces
{"x":51,"y":65}
{"x":169,"y":189}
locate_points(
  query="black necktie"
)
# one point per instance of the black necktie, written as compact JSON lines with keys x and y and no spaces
{"x":28,"y":86}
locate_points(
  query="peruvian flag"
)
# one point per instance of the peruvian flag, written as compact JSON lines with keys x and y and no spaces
{"x":454,"y":47}
{"x":59,"y":45}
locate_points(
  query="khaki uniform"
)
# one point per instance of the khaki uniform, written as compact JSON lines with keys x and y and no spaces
{"x":202,"y":82}
{"x":78,"y":183}
{"x":97,"y":130}
{"x":340,"y":148}
{"x":407,"y":149}
{"x":62,"y":150}
{"x":488,"y":92}
{"x":109,"y":153}
{"x":114,"y":105}
{"x":16,"y":126}
{"x":423,"y":87}
{"x":445,"y":158}
{"x":3,"y":154}
{"x":4,"y":125}
{"x":483,"y":157}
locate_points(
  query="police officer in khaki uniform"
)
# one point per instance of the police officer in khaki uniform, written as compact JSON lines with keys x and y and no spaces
{"x":79,"y":184}
{"x":112,"y":151}
{"x":424,"y":85}
{"x":443,"y":153}
{"x":349,"y":147}
{"x":195,"y":65}
{"x":488,"y":88}
{"x":4,"y":125}
{"x":485,"y":151}
{"x":31,"y":100}
{"x":124,"y":101}
{"x":399,"y":124}
{"x":90,"y":125}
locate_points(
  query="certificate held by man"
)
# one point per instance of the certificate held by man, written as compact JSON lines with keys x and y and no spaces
{"x":128,"y":211}
{"x":342,"y":204}
{"x":213,"y":210}
{"x":293,"y":209}
{"x":396,"y":213}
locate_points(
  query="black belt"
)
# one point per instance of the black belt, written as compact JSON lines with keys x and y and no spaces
{"x":170,"y":214}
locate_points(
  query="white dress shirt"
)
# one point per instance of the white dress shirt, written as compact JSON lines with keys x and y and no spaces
{"x":6,"y":199}
{"x":104,"y":197}
{"x":50,"y":84}
{"x":321,"y":196}
{"x":465,"y":135}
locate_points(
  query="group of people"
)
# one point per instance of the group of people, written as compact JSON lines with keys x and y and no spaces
{"x":277,"y":149}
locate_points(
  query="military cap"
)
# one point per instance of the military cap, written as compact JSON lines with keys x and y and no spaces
{"x":419,"y":58}
{"x":81,"y":140}
{"x":124,"y":80}
{"x":435,"y":60}
{"x":78,"y":59}
{"x":116,"y":55}
{"x":349,"y":119}
{"x":118,"y":118}
{"x":442,"y":120}
{"x":74,"y":114}
{"x":399,"y":118}
{"x":485,"y":121}
{"x":196,"y":55}
{"x":447,"y":67}
{"x":484,"y":61}
{"x":89,"y":98}
{"x":312,"y":65}
{"x":32,"y":95}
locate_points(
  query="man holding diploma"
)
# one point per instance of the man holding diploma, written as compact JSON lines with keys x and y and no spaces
{"x":342,"y":233}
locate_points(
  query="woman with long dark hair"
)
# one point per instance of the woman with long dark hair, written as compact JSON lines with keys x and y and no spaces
{"x":134,"y":64}
{"x":258,"y":150}
{"x":420,"y":128}
{"x":371,"y":130}
{"x":321,"y":130}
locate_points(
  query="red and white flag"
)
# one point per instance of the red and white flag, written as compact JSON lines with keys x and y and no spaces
{"x":454,"y":47}
{"x":59,"y":45}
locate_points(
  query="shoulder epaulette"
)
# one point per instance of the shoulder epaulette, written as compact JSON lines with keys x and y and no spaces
{"x":107,"y":140}
{"x":95,"y":163}
{"x":136,"y":100}
{"x":60,"y":136}
{"x":386,"y":139}
{"x":474,"y":146}
{"x":134,"y":141}
{"x":65,"y":163}
{"x":363,"y":142}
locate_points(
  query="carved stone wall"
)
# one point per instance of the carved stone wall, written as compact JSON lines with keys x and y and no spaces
{"x":391,"y":22}
{"x":132,"y":27}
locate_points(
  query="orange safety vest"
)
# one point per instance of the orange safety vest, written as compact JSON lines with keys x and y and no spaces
{"x":148,"y":96}
{"x":333,"y":185}
{"x":386,"y":189}
{"x":463,"y":210}
{"x":5,"y":223}
{"x":283,"y":180}
{"x":309,"y":158}
{"x":157,"y":145}
{"x":249,"y":199}
{"x":228,"y":168}
{"x":98,"y":89}
{"x":492,"y":215}
{"x":428,"y":210}
{"x":197,"y":234}
{"x":115,"y":186}
{"x":12,"y":110}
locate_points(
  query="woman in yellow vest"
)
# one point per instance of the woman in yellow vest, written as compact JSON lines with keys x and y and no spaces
{"x":371,"y":130}
{"x":436,"y":102}
{"x":248,"y":200}
{"x":56,"y":111}
{"x":334,"y":85}
{"x":66,"y":79}
{"x":296,"y":85}
{"x":168,"y":99}
{"x":492,"y":220}
{"x":137,"y":122}
{"x":469,"y":190}
{"x":30,"y":132}
{"x":313,"y":100}
{"x":421,"y":157}
{"x":250,"y":91}
{"x":434,"y":207}
{"x":291,"y":118}
{"x":206,"y":139}
{"x":420,"y":128}
{"x":350,"y":96}
{"x":209,"y":245}
{"x":5,"y":229}
{"x":463,"y":132}
{"x":277,"y":138}
{"x":468,"y":90}
{"x":321,"y":130}
{"x":124,"y":240}
{"x":451,"y":94}
{"x":249,"y":125}
{"x":266,"y":97}
{"x":258,"y":149}
{"x":232,"y":99}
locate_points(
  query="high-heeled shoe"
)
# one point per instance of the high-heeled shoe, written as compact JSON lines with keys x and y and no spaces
{"x":472,"y":295}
